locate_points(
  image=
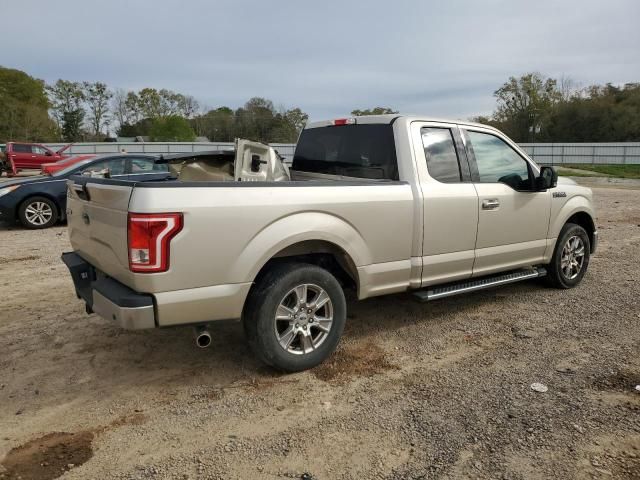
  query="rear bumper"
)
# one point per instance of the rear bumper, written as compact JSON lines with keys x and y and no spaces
{"x":109,"y":298}
{"x":131,"y":310}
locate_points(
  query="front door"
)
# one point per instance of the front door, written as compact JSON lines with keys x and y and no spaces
{"x":40,"y":155}
{"x":513,"y":218}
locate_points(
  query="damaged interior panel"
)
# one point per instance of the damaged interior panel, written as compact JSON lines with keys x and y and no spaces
{"x":249,"y":162}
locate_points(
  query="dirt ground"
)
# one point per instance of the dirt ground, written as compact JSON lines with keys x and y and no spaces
{"x":415,"y":391}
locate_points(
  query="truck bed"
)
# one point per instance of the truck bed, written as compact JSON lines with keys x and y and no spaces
{"x":231,"y":229}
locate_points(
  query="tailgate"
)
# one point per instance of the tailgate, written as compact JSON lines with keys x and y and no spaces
{"x":97,"y":212}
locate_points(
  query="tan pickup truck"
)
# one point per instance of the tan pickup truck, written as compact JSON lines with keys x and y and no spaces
{"x":379,"y":204}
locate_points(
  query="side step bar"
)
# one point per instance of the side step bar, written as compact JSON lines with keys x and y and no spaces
{"x":478,"y":284}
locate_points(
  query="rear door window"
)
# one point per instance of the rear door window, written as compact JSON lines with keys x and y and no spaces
{"x":361,"y":151}
{"x":442,"y":160}
{"x":115,"y":166}
{"x":17,"y":148}
{"x":146,"y":165}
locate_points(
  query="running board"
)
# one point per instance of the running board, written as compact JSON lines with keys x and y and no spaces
{"x":479,"y":284}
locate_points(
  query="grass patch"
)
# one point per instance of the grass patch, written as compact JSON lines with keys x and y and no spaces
{"x":620,"y":171}
{"x":563,"y":172}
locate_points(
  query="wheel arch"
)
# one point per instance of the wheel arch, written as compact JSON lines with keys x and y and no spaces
{"x":310,"y":237}
{"x":585,"y":220}
{"x":321,"y":253}
{"x":577,"y":210}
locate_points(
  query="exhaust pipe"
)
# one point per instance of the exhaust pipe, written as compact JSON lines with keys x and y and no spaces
{"x":203,"y":337}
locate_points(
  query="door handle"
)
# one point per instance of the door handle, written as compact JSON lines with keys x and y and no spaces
{"x":490,"y":204}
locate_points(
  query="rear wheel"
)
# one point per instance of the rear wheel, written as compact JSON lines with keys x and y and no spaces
{"x":38,"y":212}
{"x":295,"y":316}
{"x":570,"y":258}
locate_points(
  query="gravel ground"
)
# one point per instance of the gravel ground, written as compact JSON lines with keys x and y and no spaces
{"x":416,"y":391}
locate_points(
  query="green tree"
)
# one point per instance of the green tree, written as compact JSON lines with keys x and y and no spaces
{"x":217,"y":125}
{"x":67,"y":104}
{"x":23,"y":108}
{"x":606,"y":113}
{"x":373,"y":111}
{"x":525,"y":105}
{"x":172,"y":128}
{"x":72,"y":125}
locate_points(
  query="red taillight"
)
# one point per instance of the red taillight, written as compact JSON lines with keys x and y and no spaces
{"x":149,"y":235}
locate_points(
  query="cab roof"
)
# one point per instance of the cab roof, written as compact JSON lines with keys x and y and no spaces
{"x":391,"y":118}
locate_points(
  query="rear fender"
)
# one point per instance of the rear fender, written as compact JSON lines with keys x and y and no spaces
{"x":296,"y":228}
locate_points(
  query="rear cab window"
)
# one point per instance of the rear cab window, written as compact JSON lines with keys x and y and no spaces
{"x":358,"y":151}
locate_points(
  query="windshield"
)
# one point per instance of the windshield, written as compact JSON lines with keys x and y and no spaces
{"x":362,"y":151}
{"x":71,"y":168}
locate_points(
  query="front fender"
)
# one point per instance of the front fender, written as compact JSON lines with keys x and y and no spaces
{"x":576,"y":204}
{"x":295,"y":228}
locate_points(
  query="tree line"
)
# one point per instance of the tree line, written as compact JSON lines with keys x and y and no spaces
{"x":528,"y":108}
{"x":31,"y":110}
{"x":534,"y":108}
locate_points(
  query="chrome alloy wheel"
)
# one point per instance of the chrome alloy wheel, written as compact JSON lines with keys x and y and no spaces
{"x":572,"y":258}
{"x":303,"y":319}
{"x":38,"y":213}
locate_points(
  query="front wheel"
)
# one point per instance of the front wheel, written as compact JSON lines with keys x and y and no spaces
{"x":294,"y":316}
{"x":38,"y":212}
{"x":570,"y":258}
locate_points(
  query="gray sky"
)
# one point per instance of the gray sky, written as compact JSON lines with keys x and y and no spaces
{"x":442,"y":58}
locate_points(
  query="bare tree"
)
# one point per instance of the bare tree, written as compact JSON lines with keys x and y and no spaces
{"x":568,"y":87}
{"x":189,"y":106}
{"x":97,"y":96}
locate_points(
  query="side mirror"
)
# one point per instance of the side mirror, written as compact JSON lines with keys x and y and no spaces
{"x":548,"y":179}
{"x":48,"y":153}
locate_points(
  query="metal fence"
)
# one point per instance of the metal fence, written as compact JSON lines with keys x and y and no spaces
{"x":585,"y":153}
{"x":543,"y":153}
{"x":285,"y":149}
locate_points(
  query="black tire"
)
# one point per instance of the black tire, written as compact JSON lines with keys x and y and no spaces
{"x":263,"y":330}
{"x":557,"y":276}
{"x":47,"y":218}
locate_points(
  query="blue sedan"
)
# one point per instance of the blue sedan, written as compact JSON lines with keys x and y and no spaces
{"x":40,"y":202}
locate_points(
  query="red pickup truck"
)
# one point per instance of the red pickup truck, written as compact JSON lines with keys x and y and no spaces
{"x":22,"y":156}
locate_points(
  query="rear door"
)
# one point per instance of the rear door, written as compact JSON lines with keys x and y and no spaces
{"x":450,"y":202}
{"x":21,"y":155}
{"x":513,"y":218}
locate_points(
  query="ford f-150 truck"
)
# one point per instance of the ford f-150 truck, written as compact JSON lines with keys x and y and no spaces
{"x":379,"y":204}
